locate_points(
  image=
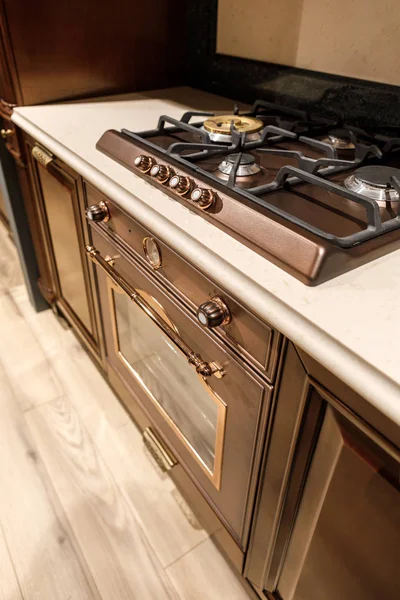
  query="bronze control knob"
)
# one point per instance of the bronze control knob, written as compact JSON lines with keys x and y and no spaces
{"x":181,"y":184}
{"x":162,"y":173}
{"x":205,"y":198}
{"x":98,"y":212}
{"x":144,"y":163}
{"x":214,"y":313}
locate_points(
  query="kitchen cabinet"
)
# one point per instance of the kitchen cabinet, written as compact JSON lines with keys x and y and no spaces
{"x":53,"y":51}
{"x":327,"y":522}
{"x":58,"y":211}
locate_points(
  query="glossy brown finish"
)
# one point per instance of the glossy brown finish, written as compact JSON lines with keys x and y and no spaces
{"x":328,"y":513}
{"x":59,"y":196}
{"x":304,"y":255}
{"x":58,"y":215}
{"x":245,"y":395}
{"x":60,"y":50}
{"x":256,"y":341}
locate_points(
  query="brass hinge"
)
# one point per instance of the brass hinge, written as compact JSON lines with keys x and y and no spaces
{"x":161,"y":454}
{"x":43,"y":156}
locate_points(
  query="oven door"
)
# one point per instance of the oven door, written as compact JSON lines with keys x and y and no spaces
{"x":201,"y":401}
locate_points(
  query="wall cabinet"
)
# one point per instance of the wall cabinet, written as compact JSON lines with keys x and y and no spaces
{"x":327,"y":522}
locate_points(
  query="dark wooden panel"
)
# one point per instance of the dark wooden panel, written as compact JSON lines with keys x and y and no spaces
{"x":73,"y":49}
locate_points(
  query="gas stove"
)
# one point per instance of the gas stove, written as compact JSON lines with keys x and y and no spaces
{"x":315,"y":196}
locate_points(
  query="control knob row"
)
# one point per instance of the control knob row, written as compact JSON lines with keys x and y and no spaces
{"x":204,"y":198}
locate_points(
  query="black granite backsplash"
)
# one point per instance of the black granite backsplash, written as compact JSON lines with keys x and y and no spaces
{"x":361,"y":102}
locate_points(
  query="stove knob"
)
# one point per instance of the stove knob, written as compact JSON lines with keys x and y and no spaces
{"x":162,"y":173}
{"x":98,"y":212}
{"x":214,"y":313}
{"x":205,"y":198}
{"x":181,"y":184}
{"x":144,"y":163}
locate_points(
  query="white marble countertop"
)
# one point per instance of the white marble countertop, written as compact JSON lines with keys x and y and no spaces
{"x":350,"y":324}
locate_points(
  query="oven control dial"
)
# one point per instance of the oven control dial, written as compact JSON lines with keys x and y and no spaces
{"x":162,"y":173}
{"x":203,"y":197}
{"x":144,"y":163}
{"x":98,"y":212}
{"x":181,"y":184}
{"x":214,"y":313}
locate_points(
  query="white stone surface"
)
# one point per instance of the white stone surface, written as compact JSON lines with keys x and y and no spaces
{"x":350,"y":324}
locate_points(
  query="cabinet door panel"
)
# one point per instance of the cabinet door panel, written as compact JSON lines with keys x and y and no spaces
{"x":327,"y":520}
{"x":58,"y":197}
{"x":346,"y":539}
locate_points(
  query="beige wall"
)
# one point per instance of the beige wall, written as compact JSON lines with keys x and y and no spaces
{"x":357,"y":38}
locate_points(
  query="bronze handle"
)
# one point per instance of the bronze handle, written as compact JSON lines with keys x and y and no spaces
{"x":206,"y":369}
{"x":6,"y":133}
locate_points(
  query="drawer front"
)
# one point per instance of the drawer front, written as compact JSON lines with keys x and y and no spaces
{"x":212,"y":423}
{"x":254,"y":340}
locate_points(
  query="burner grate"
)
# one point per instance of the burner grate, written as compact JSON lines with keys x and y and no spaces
{"x":309,"y":170}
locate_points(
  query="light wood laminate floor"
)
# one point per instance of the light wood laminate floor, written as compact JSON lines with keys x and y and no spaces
{"x":84,"y":513}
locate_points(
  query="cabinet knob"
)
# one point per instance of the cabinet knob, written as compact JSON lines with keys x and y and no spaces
{"x":98,"y":212}
{"x":214,"y":313}
{"x":6,"y":133}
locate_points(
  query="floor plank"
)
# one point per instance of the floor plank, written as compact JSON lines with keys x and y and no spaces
{"x":9,"y":588}
{"x":203,"y":574}
{"x":10,"y":270}
{"x":27,"y":366}
{"x":116,"y":550}
{"x":150,"y":493}
{"x":43,"y":557}
{"x":50,"y":334}
{"x":77,"y":375}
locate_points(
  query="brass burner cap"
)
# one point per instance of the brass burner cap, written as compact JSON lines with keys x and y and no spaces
{"x":222,"y":124}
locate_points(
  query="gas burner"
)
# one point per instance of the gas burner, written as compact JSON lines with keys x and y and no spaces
{"x":375,"y":182}
{"x":339,"y":139}
{"x":219,"y":127}
{"x":247,"y":165}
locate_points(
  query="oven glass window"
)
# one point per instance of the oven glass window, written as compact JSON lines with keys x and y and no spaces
{"x":183,"y":397}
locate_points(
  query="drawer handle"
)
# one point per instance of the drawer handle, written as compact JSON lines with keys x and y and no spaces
{"x":6,"y":133}
{"x":43,"y":156}
{"x":206,"y":369}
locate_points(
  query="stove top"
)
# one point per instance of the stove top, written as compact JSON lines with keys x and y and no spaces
{"x":314,"y":196}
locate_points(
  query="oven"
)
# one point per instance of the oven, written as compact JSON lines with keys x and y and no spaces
{"x":206,"y":407}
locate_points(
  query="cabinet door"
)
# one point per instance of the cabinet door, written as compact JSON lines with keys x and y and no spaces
{"x":328,"y":520}
{"x":60,"y":210}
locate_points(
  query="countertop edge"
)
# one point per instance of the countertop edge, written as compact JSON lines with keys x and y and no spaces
{"x":357,"y":373}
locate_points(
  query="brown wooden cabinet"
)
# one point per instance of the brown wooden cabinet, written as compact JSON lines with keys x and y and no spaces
{"x":66,"y":276}
{"x":57,"y":50}
{"x":327,"y":522}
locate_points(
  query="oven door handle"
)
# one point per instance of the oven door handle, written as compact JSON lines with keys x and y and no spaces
{"x":206,"y":369}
